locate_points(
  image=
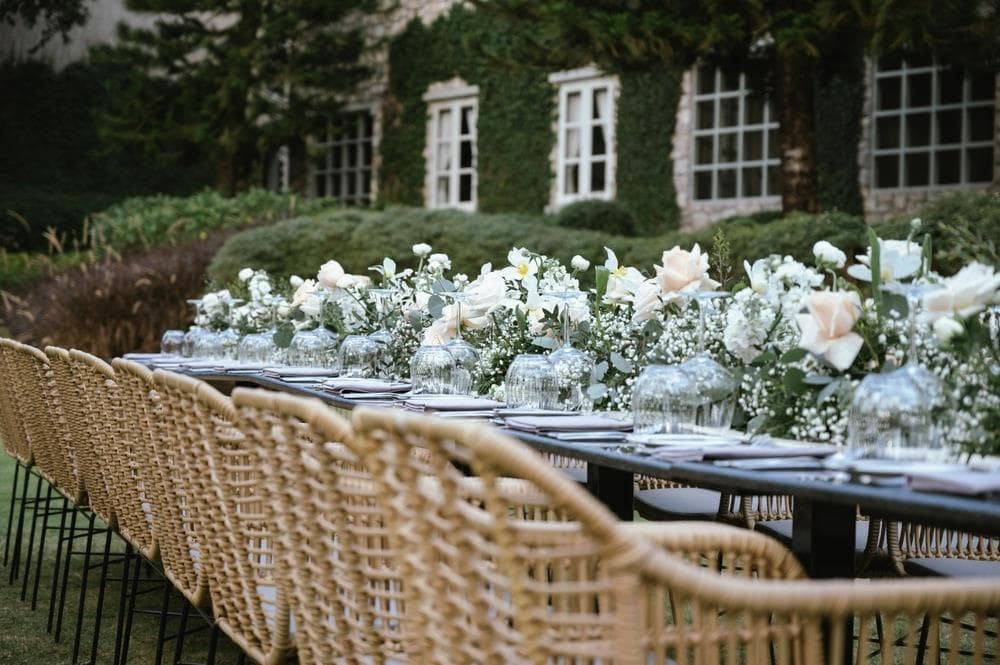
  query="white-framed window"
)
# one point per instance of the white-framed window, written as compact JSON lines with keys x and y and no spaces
{"x":934,"y":125}
{"x":451,"y":136}
{"x":585,"y":148}
{"x":735,"y":150}
{"x":343,"y":169}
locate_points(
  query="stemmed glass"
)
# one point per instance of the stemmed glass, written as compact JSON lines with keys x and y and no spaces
{"x":572,"y":366}
{"x":928,"y":382}
{"x":316,"y":347}
{"x":466,"y":356}
{"x":382,"y":336}
{"x":230,"y":337}
{"x":715,"y":386}
{"x":187,"y":348}
{"x":259,"y":347}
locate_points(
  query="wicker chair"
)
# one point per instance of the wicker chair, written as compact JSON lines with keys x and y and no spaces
{"x":219,"y":504}
{"x":486,"y":585}
{"x":13,"y":410}
{"x":917,"y":549}
{"x":69,"y":423}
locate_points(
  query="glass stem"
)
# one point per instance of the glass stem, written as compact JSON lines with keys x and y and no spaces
{"x":911,"y":354}
{"x":701,"y":327}
{"x":565,"y":313}
{"x":458,"y":322}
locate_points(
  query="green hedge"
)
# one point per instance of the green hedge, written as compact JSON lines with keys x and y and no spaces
{"x":596,"y":215}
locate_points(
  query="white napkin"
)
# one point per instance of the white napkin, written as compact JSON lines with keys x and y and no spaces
{"x":358,"y":385}
{"x":568,"y":423}
{"x":968,"y":483}
{"x":449,"y":403}
{"x":278,"y":372}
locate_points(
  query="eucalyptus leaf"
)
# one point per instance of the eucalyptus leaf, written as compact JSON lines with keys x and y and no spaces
{"x":793,"y":355}
{"x":652,"y":328}
{"x":817,"y":380}
{"x":756,"y":423}
{"x":282,"y":337}
{"x":793,"y":381}
{"x":597,"y":391}
{"x":434,"y":305}
{"x":766,"y":358}
{"x":442,"y":286}
{"x":298,"y":314}
{"x":600,"y":369}
{"x":620,"y":363}
{"x":831,"y":388}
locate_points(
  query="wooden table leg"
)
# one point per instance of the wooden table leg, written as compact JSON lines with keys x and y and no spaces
{"x":613,"y":488}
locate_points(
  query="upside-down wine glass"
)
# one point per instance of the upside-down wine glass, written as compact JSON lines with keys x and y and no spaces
{"x":382,"y":336}
{"x":192,"y":334}
{"x":573,"y":367}
{"x":230,"y":337}
{"x":259,"y":347}
{"x":715,"y":386}
{"x":466,"y":356}
{"x":316,"y":347}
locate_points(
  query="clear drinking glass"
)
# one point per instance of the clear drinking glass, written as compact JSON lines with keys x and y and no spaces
{"x":187,"y":348}
{"x":172,"y":343}
{"x":466,"y":356}
{"x":209,"y":345}
{"x":926,"y":381}
{"x":714,"y":386}
{"x":313,"y":348}
{"x":258,"y":348}
{"x":382,"y":336}
{"x":664,"y":400}
{"x":531,"y":382}
{"x":889,"y":419}
{"x":358,"y":356}
{"x":433,"y":371}
{"x":572,"y":366}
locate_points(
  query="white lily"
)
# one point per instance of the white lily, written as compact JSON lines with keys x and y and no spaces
{"x":898,"y":259}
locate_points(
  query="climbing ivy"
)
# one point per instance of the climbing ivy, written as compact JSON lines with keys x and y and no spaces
{"x":840,"y":90}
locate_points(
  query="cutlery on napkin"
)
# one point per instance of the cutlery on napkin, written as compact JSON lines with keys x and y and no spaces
{"x":449,"y":403}
{"x":968,"y":483}
{"x":567,"y":423}
{"x":357,"y":386}
{"x":282,"y":372}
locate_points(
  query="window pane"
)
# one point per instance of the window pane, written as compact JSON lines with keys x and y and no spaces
{"x":597,"y":144}
{"x":888,"y":93}
{"x":980,"y":164}
{"x":572,"y":177}
{"x":728,"y":147}
{"x":729,"y":112}
{"x":320,"y":185}
{"x":752,"y":182}
{"x":706,"y":115}
{"x":444,"y":124}
{"x":921,"y":60}
{"x":774,"y":181}
{"x":887,"y":171}
{"x":981,"y":123}
{"x":949,"y":167}
{"x":918,"y":129}
{"x":597,"y":177}
{"x":887,"y":132}
{"x":773,"y":146}
{"x":753,"y":109}
{"x":949,"y":126}
{"x":465,"y":188}
{"x":951,"y":80}
{"x":572,"y":144}
{"x":730,"y":81}
{"x":703,"y":185}
{"x":468,"y":120}
{"x":918,"y":169}
{"x":704,"y":150}
{"x":366,"y":182}
{"x":890,"y":62}
{"x":465,"y":157}
{"x":336,"y":157}
{"x":727,"y":183}
{"x":443,"y":188}
{"x":982,"y":86}
{"x":573,"y":107}
{"x":352,"y":155}
{"x":368,"y":125}
{"x":753,"y":145}
{"x":706,"y":80}
{"x":600,"y":110}
{"x":352,"y":186}
{"x":443,"y":157}
{"x":335,"y":188}
{"x":366,"y":153}
{"x":919,"y":89}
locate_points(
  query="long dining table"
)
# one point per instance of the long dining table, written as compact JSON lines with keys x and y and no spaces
{"x":825,"y":510}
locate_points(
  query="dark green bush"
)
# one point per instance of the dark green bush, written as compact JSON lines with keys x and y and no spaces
{"x":596,"y":215}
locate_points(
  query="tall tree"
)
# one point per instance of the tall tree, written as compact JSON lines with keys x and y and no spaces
{"x":792,"y":40}
{"x":240,"y":77}
{"x":55,"y":16}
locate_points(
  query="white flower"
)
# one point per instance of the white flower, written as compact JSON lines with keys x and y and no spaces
{"x":439,"y":261}
{"x":965,"y":293}
{"x":421,"y":249}
{"x":295,"y":281}
{"x":522,"y":264}
{"x":306,"y":288}
{"x":827,"y":330}
{"x":579,"y":263}
{"x":898,"y":259}
{"x":245,"y":274}
{"x":946,"y":327}
{"x":330,"y":274}
{"x":623,"y":282}
{"x":388,"y":268}
{"x":362,"y":281}
{"x":826,"y":252}
{"x":683,"y":271}
{"x":647,"y":301}
{"x":759,"y":275}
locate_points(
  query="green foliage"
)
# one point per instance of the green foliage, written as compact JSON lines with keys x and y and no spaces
{"x":56,"y":167}
{"x":514,"y":123}
{"x":840,"y":89}
{"x":597,"y":215}
{"x":54,"y":16}
{"x":157,"y":220}
{"x":18,"y":269}
{"x":645,"y":127}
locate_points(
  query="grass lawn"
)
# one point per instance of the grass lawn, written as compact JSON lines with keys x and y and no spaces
{"x":23,"y":640}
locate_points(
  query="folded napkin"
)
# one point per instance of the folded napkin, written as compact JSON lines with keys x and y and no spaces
{"x":152,"y":356}
{"x":450,"y":403}
{"x":568,"y":423}
{"x":679,"y":455}
{"x":968,"y":483}
{"x":358,"y":385}
{"x":204,"y":364}
{"x":767,"y":452}
{"x":279,"y":372}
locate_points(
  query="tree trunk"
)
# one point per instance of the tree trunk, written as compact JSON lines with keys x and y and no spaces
{"x":298,"y":166}
{"x":795,"y":98}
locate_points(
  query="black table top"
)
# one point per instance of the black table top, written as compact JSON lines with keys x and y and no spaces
{"x":978,"y":515}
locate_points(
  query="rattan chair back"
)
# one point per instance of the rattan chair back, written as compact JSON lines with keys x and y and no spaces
{"x":69,"y":424}
{"x":907,"y":540}
{"x":130,"y":478}
{"x":31,"y":382}
{"x":97,"y":391}
{"x":12,"y":409}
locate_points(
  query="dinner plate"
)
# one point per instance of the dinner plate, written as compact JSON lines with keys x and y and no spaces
{"x":681,"y":440}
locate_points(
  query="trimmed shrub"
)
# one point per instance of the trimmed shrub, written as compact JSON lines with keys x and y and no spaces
{"x":597,"y":215}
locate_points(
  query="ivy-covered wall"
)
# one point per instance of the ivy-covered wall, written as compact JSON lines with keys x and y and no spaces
{"x":840,"y":91}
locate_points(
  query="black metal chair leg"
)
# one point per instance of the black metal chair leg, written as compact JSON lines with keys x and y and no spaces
{"x":16,"y":557}
{"x":213,"y":644}
{"x":41,"y":548}
{"x":161,"y":634}
{"x":99,"y":613}
{"x":10,"y":514}
{"x":82,"y":604}
{"x":242,"y":660}
{"x":127,"y":634}
{"x":65,"y":574}
{"x":35,"y":509}
{"x":179,"y":640}
{"x":57,"y":568}
{"x":122,"y":603}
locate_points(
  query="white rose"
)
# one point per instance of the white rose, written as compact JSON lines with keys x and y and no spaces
{"x":758,"y":275}
{"x":827,"y":253}
{"x":967,"y":292}
{"x":440,"y":261}
{"x":579,"y":263}
{"x":330,"y":274}
{"x":946,"y":327}
{"x":347,"y":281}
{"x":312,"y":306}
{"x":245,"y":274}
{"x":421,"y":249}
{"x":683,"y":271}
{"x":828,"y":328}
{"x":306,"y":289}
{"x":898,"y":259}
{"x":295,"y":281}
{"x":647,"y":301}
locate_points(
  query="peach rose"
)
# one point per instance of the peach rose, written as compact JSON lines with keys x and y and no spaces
{"x":684,"y":271}
{"x":828,"y":328}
